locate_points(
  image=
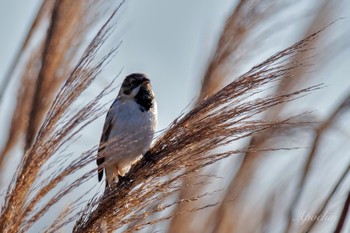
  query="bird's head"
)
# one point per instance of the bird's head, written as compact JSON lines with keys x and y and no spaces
{"x":132,"y":85}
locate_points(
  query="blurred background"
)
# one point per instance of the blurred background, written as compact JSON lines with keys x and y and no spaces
{"x":180,"y":45}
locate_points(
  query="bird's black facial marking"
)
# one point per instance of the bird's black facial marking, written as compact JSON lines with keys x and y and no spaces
{"x":132,"y":81}
{"x":127,"y":92}
{"x":144,"y":98}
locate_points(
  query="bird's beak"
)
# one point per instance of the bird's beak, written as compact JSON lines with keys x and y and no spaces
{"x":145,"y":81}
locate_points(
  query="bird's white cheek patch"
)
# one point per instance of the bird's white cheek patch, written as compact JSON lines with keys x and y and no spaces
{"x":131,"y":95}
{"x":135,"y":91}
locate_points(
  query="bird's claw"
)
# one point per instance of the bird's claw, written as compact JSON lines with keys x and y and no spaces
{"x":148,"y":156}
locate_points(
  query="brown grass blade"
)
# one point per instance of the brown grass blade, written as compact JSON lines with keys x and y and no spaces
{"x":227,"y":215}
{"x":245,"y":18}
{"x":20,"y":117}
{"x":57,"y":129}
{"x":321,"y":130}
{"x":311,"y":224}
{"x":225,"y":117}
{"x":28,"y":77}
{"x":343,"y":216}
{"x":240,"y":26}
{"x":69,"y":23}
{"x":43,"y":13}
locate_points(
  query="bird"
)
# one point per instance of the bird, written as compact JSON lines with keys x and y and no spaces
{"x":129,"y":128}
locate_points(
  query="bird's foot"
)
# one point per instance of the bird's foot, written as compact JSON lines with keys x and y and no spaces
{"x":122,"y":179}
{"x":148,"y":156}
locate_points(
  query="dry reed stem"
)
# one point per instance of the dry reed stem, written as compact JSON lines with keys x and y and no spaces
{"x":43,"y":13}
{"x":311,"y":224}
{"x":225,"y":117}
{"x":58,"y":127}
{"x":320,"y":19}
{"x":228,"y":215}
{"x":343,"y":216}
{"x":24,"y":97}
{"x":268,"y":214}
{"x":326,"y":124}
{"x":87,"y":114}
{"x":247,"y":16}
{"x":70,"y":22}
{"x":67,"y":27}
{"x":26,"y":90}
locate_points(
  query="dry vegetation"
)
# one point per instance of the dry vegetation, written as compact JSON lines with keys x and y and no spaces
{"x":208,"y":165}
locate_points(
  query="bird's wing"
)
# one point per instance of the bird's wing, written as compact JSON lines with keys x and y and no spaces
{"x":104,"y":137}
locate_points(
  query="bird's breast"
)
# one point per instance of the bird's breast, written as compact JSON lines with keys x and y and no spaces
{"x":129,"y":115}
{"x":133,"y":130}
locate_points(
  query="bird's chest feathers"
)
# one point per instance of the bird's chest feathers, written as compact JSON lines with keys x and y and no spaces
{"x":132,"y":128}
{"x":144,"y":99}
{"x":129,"y":117}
